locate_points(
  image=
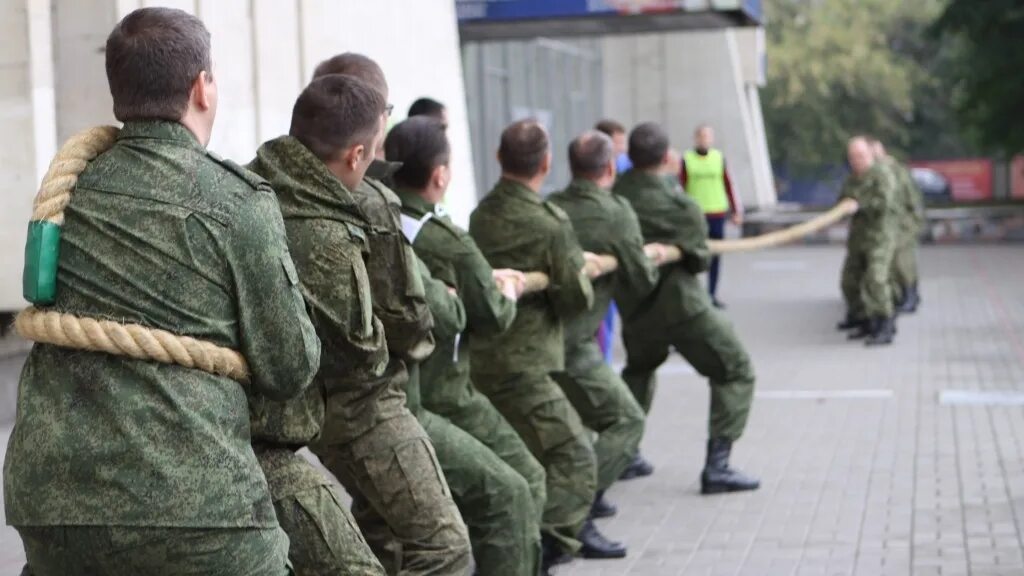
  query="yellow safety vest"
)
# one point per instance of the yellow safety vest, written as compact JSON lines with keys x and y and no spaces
{"x":705,"y":180}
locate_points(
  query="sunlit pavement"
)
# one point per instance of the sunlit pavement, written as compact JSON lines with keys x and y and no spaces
{"x":874,"y":462}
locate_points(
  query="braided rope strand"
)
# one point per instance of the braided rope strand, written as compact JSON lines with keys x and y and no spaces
{"x":131,"y":340}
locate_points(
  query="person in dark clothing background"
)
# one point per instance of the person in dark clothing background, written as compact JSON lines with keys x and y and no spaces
{"x":706,"y":180}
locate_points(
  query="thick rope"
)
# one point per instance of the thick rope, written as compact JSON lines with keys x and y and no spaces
{"x":131,"y":340}
{"x":62,"y":175}
{"x":793,"y":233}
{"x":538,"y":281}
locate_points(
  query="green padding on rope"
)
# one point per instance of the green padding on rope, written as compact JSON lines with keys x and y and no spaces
{"x":39,"y":279}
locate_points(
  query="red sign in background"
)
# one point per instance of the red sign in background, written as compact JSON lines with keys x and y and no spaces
{"x":968,"y":179}
{"x":1017,"y":177}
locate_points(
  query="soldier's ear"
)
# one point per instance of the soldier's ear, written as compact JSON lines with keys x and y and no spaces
{"x":545,"y":165}
{"x":204,"y":91}
{"x":354,"y":156}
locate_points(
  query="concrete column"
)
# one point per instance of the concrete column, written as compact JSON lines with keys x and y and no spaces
{"x":80,"y":31}
{"x":279,"y":74}
{"x":27,"y":120}
{"x":231,"y":30}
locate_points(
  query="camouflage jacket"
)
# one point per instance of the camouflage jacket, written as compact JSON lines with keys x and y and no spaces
{"x":669,"y":216}
{"x":327,"y":234}
{"x":453,"y":258}
{"x":160,"y":233}
{"x":606,"y":224}
{"x":877,"y":216}
{"x":449,"y":321}
{"x":515,"y":229}
{"x":909,"y":199}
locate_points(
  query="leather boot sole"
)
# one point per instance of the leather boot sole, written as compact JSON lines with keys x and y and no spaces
{"x":707,"y":489}
{"x":591,"y":554}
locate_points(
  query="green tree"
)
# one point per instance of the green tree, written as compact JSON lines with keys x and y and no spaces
{"x":987,"y":69}
{"x":844,"y":67}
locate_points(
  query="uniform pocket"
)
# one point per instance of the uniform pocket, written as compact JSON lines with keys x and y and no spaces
{"x":365,"y":299}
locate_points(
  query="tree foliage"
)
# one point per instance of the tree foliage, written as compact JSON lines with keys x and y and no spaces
{"x":843,"y":67}
{"x":987,"y":69}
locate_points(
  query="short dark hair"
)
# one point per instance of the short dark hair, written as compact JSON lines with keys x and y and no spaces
{"x":648,"y":144}
{"x":426,"y":107}
{"x":524,"y":145}
{"x":153,"y":56}
{"x":353,"y":64}
{"x":421,"y":145}
{"x":590,"y":153}
{"x":336,"y":112}
{"x":610,"y":127}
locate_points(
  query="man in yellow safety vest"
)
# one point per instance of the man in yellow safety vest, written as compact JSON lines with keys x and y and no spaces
{"x":705,"y":179}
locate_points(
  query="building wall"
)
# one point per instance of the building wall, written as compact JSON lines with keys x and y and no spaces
{"x":27,"y":124}
{"x":52,"y":80}
{"x":557,"y":81}
{"x":683,"y":79}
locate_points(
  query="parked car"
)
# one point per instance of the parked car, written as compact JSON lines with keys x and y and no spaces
{"x":935,"y":187}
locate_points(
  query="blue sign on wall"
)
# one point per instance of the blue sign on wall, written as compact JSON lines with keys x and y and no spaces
{"x":506,"y":10}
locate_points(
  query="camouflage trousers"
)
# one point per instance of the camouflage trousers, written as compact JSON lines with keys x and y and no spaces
{"x":130,"y":551}
{"x":606,"y":406}
{"x":708,"y":342}
{"x":475,"y":414}
{"x":494,"y":501}
{"x":866,"y":278}
{"x":541,"y":414}
{"x":324,"y":539}
{"x":394,"y":479}
{"x":904,"y":263}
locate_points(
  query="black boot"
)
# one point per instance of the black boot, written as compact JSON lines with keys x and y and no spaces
{"x":863,"y":330}
{"x":911,"y":300}
{"x":552,"y":554}
{"x":637,"y":468}
{"x":884,"y":330}
{"x":718,"y":476}
{"x":596,"y":545}
{"x":602,"y":508}
{"x":848,"y":323}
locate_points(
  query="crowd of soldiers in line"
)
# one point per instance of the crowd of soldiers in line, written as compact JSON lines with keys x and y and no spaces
{"x":880,"y":276}
{"x":473,"y":423}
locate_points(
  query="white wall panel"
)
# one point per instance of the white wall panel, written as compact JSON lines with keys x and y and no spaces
{"x":230,"y":24}
{"x":278,"y":74}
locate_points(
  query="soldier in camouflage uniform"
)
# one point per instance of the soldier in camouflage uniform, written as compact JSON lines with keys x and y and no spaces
{"x":324,"y":537}
{"x":515,"y":229}
{"x":604,"y":224}
{"x":679,"y":313}
{"x":910,"y":205}
{"x":870,"y":247}
{"x":122,"y":466}
{"x":501,"y":504}
{"x":402,"y":486}
{"x":369,"y":439}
